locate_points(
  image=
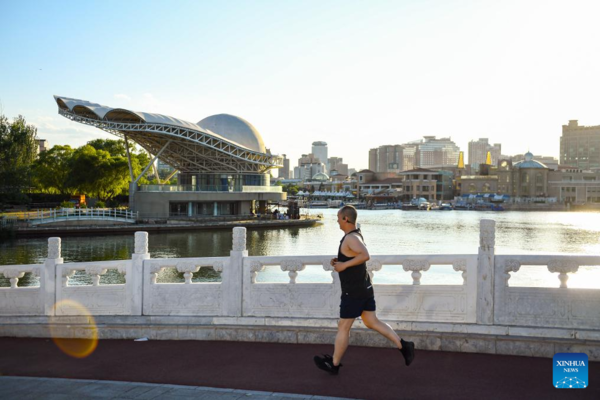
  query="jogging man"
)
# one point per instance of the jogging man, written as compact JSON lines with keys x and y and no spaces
{"x":358,"y":298}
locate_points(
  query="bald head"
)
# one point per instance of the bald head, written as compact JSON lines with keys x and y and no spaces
{"x":349,"y":212}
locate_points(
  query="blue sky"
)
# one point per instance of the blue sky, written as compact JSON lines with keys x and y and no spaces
{"x":355,"y":74}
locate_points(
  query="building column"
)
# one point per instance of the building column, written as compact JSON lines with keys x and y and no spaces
{"x":190,"y":209}
{"x":262,"y":207}
{"x":216,"y":209}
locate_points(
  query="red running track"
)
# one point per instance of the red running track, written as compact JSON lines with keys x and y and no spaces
{"x":368,"y":373}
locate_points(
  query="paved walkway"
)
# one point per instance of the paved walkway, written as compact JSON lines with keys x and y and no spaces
{"x":368,"y":373}
{"x":16,"y":387}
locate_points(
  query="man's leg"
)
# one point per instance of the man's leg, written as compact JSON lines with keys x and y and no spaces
{"x":342,"y":338}
{"x":371,"y":321}
{"x":406,"y":348}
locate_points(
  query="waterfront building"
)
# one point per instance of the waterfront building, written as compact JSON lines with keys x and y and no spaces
{"x":478,"y":152}
{"x":580,"y":146}
{"x":420,"y":182}
{"x":224,"y":166}
{"x":548,"y":161}
{"x":319,"y":149}
{"x":527,"y":178}
{"x":478,"y":184}
{"x":573,"y":185}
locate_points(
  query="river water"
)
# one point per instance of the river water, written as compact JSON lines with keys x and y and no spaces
{"x":385,"y":232}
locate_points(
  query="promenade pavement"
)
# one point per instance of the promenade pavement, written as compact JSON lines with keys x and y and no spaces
{"x":276,"y":370}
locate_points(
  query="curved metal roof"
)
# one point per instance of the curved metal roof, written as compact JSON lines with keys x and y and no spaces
{"x":184,"y":145}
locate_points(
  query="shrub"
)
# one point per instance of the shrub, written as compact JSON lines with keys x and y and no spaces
{"x":67,"y":204}
{"x":100,"y":204}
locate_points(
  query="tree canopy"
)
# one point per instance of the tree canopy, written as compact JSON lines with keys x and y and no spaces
{"x":18,"y":150}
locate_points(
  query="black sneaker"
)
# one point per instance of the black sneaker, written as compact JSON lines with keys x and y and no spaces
{"x":326,"y":364}
{"x":408,"y":351}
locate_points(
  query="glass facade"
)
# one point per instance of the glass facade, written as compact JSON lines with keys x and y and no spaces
{"x":222,"y":182}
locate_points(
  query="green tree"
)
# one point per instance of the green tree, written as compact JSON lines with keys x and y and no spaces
{"x":291,"y":189}
{"x":115,"y":148}
{"x":97,"y":173}
{"x":52,"y":170}
{"x":18,"y":149}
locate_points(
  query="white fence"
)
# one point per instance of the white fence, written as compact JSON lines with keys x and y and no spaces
{"x":484,"y":298}
{"x":82,"y":214}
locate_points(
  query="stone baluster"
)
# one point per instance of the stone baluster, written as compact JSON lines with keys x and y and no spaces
{"x":66,"y":274}
{"x":255,"y":268}
{"x":292,"y":266}
{"x":510,"y":266}
{"x":326,"y":263}
{"x":14,"y":275}
{"x":188,"y":268}
{"x":461,"y":265}
{"x":155,"y":269}
{"x":95,"y":271}
{"x":486,"y":272}
{"x":416,"y":266}
{"x":563,"y":267}
{"x":372,"y":266}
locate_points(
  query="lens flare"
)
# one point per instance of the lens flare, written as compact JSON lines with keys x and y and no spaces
{"x":78,"y":339}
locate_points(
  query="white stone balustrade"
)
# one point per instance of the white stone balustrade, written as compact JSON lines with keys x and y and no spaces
{"x":96,"y":299}
{"x":545,"y":307}
{"x":188,"y":298}
{"x":484,"y":297}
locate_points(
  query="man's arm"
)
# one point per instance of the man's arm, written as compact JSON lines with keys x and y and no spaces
{"x":361,"y":254}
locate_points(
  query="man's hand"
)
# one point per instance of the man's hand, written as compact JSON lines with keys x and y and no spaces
{"x":339,"y":266}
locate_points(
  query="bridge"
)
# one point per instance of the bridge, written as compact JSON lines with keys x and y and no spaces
{"x":70,"y":215}
{"x":484,"y":314}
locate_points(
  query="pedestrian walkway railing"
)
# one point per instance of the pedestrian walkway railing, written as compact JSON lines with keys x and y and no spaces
{"x":480,"y":295}
{"x":38,"y":217}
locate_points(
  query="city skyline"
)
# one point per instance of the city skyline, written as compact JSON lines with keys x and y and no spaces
{"x":386,"y":72}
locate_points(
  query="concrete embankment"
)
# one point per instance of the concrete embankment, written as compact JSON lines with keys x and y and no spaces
{"x":96,"y":230}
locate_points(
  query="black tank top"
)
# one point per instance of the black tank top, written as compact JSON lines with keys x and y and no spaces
{"x":355,"y":280}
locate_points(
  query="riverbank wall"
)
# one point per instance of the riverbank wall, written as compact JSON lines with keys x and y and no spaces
{"x":172,"y":226}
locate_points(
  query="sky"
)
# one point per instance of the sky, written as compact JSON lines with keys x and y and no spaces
{"x":355,"y":74}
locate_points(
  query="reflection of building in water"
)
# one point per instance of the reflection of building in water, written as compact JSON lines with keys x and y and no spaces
{"x":224,"y":166}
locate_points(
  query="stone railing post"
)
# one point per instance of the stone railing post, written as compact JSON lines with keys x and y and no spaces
{"x":485,"y":272}
{"x":135,"y":276}
{"x":232,"y":275}
{"x":48,"y":278}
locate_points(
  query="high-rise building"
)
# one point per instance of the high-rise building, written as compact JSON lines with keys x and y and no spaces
{"x":42,"y":145}
{"x":478,"y":150}
{"x":285,"y":171}
{"x":337,"y":164}
{"x":436,"y":152}
{"x":308,"y":166}
{"x":319,"y":149}
{"x":580,"y":146}
{"x":388,"y":158}
{"x":373,"y":160}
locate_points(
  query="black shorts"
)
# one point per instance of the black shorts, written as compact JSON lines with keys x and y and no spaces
{"x":352,"y":308}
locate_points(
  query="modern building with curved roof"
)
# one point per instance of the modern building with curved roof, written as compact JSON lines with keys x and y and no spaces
{"x":222,"y":162}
